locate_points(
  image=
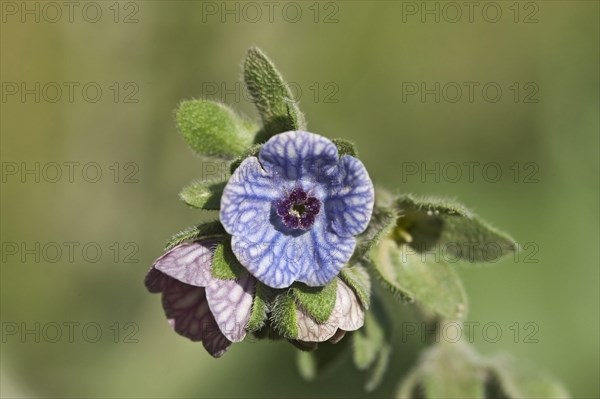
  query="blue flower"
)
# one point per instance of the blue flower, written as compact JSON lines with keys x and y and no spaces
{"x":293,"y":212}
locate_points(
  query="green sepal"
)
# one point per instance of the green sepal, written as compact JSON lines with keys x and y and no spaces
{"x":450,"y":229}
{"x":283,"y":315}
{"x":345,"y":147}
{"x":260,"y":307}
{"x":271,"y":95}
{"x":358,"y":279}
{"x":209,"y":229}
{"x":213,"y":129}
{"x":317,"y":302}
{"x":225,"y":265}
{"x":203,"y":194}
{"x":383,"y":221}
{"x":251,"y":151}
{"x":434,"y":285}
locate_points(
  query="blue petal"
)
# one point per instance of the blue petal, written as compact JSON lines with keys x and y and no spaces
{"x":350,"y":200}
{"x":277,"y":258}
{"x":247,"y":198}
{"x":297,"y":154}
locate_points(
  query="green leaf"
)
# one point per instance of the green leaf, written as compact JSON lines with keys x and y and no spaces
{"x":381,"y":225}
{"x":260,"y":307}
{"x":225,"y":265}
{"x":210,"y":229}
{"x":249,"y":152}
{"x":518,"y":381}
{"x":435,"y":285}
{"x":271,"y":95}
{"x":449,"y":229}
{"x":213,"y":129}
{"x":283,"y":315}
{"x":446,"y":370}
{"x":358,"y":279}
{"x":203,"y":194}
{"x":376,"y":373}
{"x":345,"y":147}
{"x":317,"y":302}
{"x":455,"y":370}
{"x":370,"y":340}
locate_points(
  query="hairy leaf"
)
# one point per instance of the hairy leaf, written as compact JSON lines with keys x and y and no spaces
{"x":209,"y":229}
{"x":444,"y":227}
{"x":409,"y":274}
{"x":203,"y":194}
{"x":271,"y":95}
{"x":212,"y":129}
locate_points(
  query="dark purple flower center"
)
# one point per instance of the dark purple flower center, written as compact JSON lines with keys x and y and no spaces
{"x":297,"y":209}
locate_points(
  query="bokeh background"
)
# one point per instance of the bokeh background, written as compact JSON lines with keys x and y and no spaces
{"x":351,"y":63}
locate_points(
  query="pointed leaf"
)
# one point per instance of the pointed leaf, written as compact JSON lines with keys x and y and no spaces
{"x":271,"y":95}
{"x":318,"y":302}
{"x":450,"y":230}
{"x":436,"y":286}
{"x":203,"y":194}
{"x":212,"y":129}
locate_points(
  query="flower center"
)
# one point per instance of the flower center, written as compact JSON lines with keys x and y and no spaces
{"x":297,"y":209}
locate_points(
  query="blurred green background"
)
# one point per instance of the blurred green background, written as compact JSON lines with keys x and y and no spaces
{"x":351,"y":62}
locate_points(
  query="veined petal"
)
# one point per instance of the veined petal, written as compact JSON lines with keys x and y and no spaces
{"x":230,"y":302}
{"x":351,"y":313}
{"x":351,"y":198}
{"x":189,"y":315}
{"x":247,"y":198}
{"x":156,"y":281}
{"x":296,"y":154}
{"x":188,"y":262}
{"x":265,"y":256}
{"x":278,"y":259}
{"x":347,"y":315}
{"x":311,"y":331}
